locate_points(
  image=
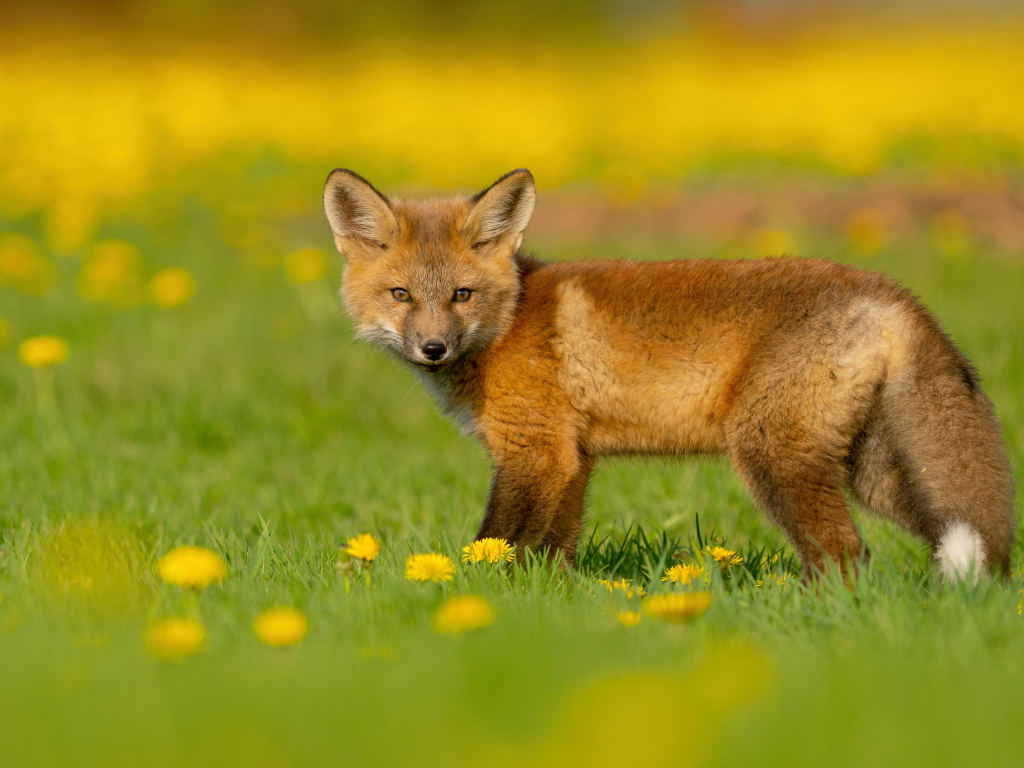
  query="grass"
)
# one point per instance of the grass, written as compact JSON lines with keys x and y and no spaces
{"x":248,"y":422}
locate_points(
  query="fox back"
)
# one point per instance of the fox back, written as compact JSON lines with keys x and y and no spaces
{"x":810,"y":376}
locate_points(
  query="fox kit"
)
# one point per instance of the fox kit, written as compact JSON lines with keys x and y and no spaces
{"x":812,"y":377}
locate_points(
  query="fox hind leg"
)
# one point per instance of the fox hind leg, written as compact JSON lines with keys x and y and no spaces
{"x":803,"y":497}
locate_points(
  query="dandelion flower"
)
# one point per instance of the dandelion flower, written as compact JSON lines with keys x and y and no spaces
{"x":677,"y":606}
{"x":363,"y":547}
{"x":460,"y":614}
{"x":429,"y":567}
{"x":171,"y":287}
{"x":306,"y":265}
{"x":682,"y":573}
{"x":192,"y":567}
{"x":280,"y":627}
{"x":629,"y":618}
{"x":22,"y":267}
{"x":724,"y":557}
{"x":622,"y":585}
{"x":112,"y":273}
{"x":866,"y":232}
{"x":175,"y":638}
{"x":43,"y":351}
{"x":490,"y":549}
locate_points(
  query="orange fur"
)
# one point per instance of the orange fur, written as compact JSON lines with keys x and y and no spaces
{"x":811,"y":376}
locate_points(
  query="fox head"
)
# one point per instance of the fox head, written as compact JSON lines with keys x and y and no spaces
{"x":433,"y":280}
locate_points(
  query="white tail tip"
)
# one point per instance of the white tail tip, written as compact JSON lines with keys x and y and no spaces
{"x":960,"y":552}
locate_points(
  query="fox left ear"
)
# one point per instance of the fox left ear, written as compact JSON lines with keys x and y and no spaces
{"x":501,"y":212}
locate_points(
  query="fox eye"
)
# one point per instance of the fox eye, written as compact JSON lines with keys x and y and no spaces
{"x":463,"y":294}
{"x":401,"y":294}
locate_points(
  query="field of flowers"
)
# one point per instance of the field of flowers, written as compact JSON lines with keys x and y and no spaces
{"x":231,"y":535}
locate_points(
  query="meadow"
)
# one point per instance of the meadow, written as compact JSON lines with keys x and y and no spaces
{"x":212,"y":395}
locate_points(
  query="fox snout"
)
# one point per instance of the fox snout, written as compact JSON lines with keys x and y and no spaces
{"x":431,"y":336}
{"x":434,"y":350}
{"x":431,"y":353}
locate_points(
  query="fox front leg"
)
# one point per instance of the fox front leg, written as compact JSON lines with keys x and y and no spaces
{"x":536,"y":499}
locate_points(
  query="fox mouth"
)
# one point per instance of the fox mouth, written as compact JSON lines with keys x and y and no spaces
{"x":431,"y":367}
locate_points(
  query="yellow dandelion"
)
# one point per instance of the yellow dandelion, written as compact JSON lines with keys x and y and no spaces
{"x":724,"y":557}
{"x":866,"y":232}
{"x":363,"y":547}
{"x":280,"y":627}
{"x":773,"y":242}
{"x":175,"y":638}
{"x":171,"y":287}
{"x":677,"y":606}
{"x":951,"y":233}
{"x":460,"y":614}
{"x":429,"y":567}
{"x":22,"y":267}
{"x":306,"y":265}
{"x":112,"y":273}
{"x":629,"y":618}
{"x":682,"y":573}
{"x":622,"y":585}
{"x":192,"y":567}
{"x":768,"y":561}
{"x":490,"y":549}
{"x":43,"y":351}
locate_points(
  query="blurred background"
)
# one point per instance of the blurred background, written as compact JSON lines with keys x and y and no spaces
{"x":745,"y":125}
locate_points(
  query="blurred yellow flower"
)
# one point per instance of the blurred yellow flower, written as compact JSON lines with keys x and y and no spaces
{"x":951,"y":233}
{"x":429,"y":567}
{"x":490,"y":549}
{"x":43,"y":351}
{"x":171,"y":287}
{"x":460,"y":614}
{"x":683,"y":573}
{"x":622,"y":585}
{"x":280,"y":627}
{"x":191,"y":567}
{"x":5,"y":333}
{"x":773,"y":242}
{"x":113,"y":272}
{"x":22,"y":267}
{"x":724,"y":557}
{"x":778,"y":580}
{"x":175,"y":638}
{"x":306,"y":265}
{"x":768,"y":561}
{"x":363,"y":547}
{"x":866,"y":232}
{"x":629,"y":618}
{"x":677,"y":606}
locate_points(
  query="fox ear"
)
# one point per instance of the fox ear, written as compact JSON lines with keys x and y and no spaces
{"x":357,"y":211}
{"x":501,"y":212}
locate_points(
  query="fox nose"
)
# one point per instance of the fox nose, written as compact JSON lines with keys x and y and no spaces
{"x":434,"y":350}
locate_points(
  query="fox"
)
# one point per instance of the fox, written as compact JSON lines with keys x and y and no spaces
{"x":814,"y":378}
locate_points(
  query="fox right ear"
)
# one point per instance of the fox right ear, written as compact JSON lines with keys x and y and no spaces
{"x":501,"y":212}
{"x":357,"y":212}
